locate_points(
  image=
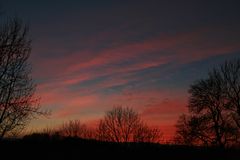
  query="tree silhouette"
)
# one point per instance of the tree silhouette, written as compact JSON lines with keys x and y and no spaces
{"x":74,"y":128}
{"x":213,"y":107}
{"x":192,"y":130}
{"x":124,"y":125}
{"x":17,"y":102}
{"x":144,"y":133}
{"x":229,"y":74}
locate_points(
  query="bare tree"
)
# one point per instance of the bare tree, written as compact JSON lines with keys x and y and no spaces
{"x":192,"y":130}
{"x":144,"y":133}
{"x":213,"y":106}
{"x":230,"y":76}
{"x":17,"y":102}
{"x":183,"y":131}
{"x":74,"y":128}
{"x":124,"y":125}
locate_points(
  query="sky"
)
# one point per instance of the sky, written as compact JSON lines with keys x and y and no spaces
{"x":89,"y":56}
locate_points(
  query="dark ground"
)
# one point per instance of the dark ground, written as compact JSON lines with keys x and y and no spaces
{"x":53,"y":148}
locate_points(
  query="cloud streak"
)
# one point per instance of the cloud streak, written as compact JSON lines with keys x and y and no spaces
{"x":87,"y":83}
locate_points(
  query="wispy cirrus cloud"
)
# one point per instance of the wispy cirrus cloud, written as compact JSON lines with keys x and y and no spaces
{"x":86,"y":83}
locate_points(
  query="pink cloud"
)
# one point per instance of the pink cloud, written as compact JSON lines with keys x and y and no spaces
{"x":69,"y":66}
{"x":160,"y":108}
{"x":75,"y":105}
{"x":197,"y":48}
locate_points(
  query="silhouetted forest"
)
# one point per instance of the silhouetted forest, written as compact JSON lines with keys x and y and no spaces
{"x":43,"y":146}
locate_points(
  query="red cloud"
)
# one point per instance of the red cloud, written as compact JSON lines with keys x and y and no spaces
{"x":183,"y":47}
{"x":58,"y":74}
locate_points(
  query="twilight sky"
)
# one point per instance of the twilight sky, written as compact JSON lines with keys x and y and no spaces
{"x":91,"y":55}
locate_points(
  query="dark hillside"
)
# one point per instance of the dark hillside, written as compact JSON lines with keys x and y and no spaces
{"x":45,"y":147}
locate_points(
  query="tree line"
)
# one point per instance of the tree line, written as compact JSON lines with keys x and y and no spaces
{"x":214,"y":103}
{"x":121,"y":124}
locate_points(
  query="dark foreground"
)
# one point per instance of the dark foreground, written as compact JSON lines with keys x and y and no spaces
{"x":74,"y":148}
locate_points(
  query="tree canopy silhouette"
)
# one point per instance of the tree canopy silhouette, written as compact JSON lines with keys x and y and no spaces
{"x":125,"y":125}
{"x":17,"y":102}
{"x":214,"y":108}
{"x":74,"y":128}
